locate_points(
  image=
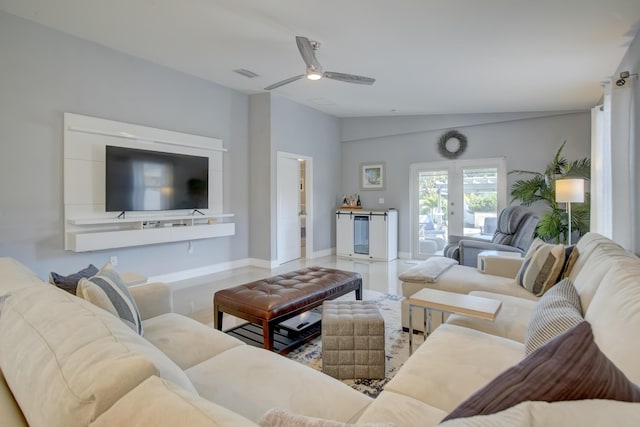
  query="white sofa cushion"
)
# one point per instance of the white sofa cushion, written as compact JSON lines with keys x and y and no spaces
{"x":159,"y":403}
{"x":66,"y":361}
{"x":452,"y":364}
{"x":614,"y":315}
{"x":250,"y":381}
{"x":64,"y":364}
{"x":402,"y":410}
{"x":511,"y":321}
{"x":598,"y":261}
{"x":186,"y":341}
{"x":278,"y":417}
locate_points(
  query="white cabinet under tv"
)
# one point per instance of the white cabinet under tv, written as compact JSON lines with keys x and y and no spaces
{"x":371,"y":235}
{"x":92,"y":234}
{"x":89,"y":227}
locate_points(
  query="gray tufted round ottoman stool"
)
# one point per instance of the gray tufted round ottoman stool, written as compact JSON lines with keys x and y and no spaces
{"x":352,"y":340}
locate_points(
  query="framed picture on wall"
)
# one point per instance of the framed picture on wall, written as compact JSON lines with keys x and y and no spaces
{"x":372,"y":176}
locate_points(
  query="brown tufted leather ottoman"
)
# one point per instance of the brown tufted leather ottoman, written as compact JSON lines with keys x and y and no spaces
{"x":268,"y":302}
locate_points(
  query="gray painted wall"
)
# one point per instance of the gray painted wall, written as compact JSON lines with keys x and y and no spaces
{"x":302,"y":130}
{"x":527,"y":143}
{"x":45,"y":73}
{"x":259,"y":171}
{"x":277,"y":124}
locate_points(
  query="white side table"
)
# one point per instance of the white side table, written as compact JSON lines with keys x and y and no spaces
{"x":449,"y":302}
{"x":482,"y":256}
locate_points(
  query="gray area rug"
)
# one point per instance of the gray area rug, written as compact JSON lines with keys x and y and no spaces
{"x":396,"y":344}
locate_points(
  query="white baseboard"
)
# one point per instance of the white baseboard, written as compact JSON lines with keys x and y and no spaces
{"x":323,"y":253}
{"x":404,"y":255}
{"x":177,"y":276}
{"x":263,"y":263}
{"x":200,"y":271}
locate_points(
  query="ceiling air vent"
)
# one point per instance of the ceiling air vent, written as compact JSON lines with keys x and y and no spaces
{"x":246,"y":73}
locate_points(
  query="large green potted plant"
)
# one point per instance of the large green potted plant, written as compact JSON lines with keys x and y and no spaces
{"x":540,"y":187}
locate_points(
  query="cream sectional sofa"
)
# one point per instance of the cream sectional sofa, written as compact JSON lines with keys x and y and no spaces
{"x":69,"y":363}
{"x":464,"y":354}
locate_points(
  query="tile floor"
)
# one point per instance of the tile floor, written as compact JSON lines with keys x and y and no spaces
{"x":194,"y":297}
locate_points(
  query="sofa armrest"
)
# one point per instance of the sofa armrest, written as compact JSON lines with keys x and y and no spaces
{"x":502,"y":266}
{"x":469,"y":250}
{"x":152,"y":299}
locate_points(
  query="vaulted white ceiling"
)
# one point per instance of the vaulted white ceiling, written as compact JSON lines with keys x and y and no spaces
{"x":428,"y":56}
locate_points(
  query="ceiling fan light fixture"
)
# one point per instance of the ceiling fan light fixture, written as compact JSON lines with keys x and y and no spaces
{"x":314,"y":75}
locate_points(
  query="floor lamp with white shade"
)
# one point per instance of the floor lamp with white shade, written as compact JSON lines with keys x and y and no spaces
{"x":570,"y":190}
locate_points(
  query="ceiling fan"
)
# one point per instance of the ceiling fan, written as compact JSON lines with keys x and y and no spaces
{"x":307,"y":49}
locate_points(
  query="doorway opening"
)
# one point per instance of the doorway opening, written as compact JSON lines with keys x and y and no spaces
{"x":294,"y":210}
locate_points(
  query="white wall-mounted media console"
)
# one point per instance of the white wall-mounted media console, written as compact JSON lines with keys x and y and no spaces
{"x":89,"y":227}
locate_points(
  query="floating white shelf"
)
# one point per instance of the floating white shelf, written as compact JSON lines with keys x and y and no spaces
{"x":92,"y":234}
{"x":109,"y":239}
{"x":192,"y":218}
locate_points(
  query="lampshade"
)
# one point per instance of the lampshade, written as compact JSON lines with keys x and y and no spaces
{"x":570,"y":190}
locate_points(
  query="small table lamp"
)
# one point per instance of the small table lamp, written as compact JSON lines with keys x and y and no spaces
{"x":570,"y":191}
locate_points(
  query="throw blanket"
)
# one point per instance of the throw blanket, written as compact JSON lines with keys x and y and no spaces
{"x":428,"y":271}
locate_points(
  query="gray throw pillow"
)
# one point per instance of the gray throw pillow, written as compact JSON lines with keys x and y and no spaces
{"x":557,"y":311}
{"x":70,"y":283}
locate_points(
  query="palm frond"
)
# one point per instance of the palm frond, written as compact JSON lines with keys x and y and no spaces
{"x":522,"y":171}
{"x":580,"y":168}
{"x":550,"y":226}
{"x":528,"y":191}
{"x":540,"y":187}
{"x":557,"y":165}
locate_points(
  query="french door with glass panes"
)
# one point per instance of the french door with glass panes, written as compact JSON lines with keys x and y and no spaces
{"x":455,"y":198}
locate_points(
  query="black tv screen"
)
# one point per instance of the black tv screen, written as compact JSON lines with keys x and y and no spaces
{"x":143,"y":180}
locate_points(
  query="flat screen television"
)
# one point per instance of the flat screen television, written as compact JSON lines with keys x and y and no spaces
{"x":143,"y":180}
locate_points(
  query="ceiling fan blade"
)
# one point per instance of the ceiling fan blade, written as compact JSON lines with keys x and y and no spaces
{"x":349,"y":78}
{"x":284,"y":82}
{"x":308,"y":55}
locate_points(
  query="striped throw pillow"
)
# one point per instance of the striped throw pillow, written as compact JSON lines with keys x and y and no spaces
{"x":107,"y":291}
{"x":557,"y":311}
{"x":571,"y":256}
{"x":542,"y":267}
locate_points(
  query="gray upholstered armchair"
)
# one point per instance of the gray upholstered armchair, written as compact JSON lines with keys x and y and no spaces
{"x":514,"y":233}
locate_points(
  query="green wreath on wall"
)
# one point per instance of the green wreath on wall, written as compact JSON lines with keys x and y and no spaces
{"x":442,"y":144}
